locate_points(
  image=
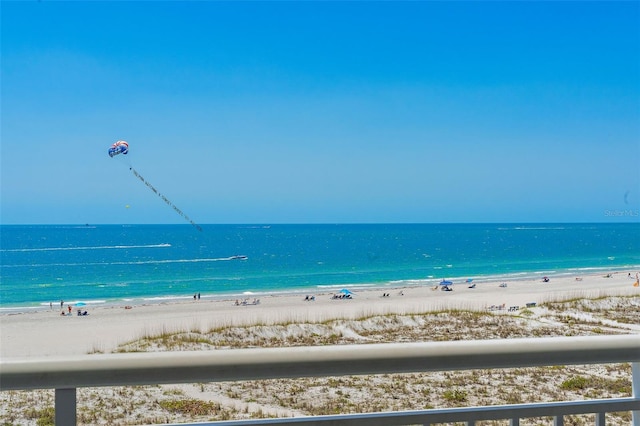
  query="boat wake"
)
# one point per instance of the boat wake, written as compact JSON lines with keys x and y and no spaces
{"x":164,"y":245}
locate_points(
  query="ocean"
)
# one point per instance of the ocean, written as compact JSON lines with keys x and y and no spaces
{"x":116,"y":264}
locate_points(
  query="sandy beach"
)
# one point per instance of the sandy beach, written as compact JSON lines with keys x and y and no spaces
{"x":47,"y":333}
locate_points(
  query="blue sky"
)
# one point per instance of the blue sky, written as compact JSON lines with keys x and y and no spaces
{"x":321,"y":112}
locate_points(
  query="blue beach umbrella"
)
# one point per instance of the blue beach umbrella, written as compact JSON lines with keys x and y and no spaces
{"x":345,"y":291}
{"x":445,"y":282}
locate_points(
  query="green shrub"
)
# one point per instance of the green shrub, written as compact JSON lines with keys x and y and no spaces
{"x":192,"y":407}
{"x":575,"y":383}
{"x":455,"y":395}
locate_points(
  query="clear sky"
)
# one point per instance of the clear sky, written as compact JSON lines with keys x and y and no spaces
{"x":321,"y":112}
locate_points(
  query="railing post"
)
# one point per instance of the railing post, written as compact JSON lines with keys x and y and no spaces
{"x":635,"y":391}
{"x":600,"y":419}
{"x":514,"y":422}
{"x":558,"y":420}
{"x":65,"y":407}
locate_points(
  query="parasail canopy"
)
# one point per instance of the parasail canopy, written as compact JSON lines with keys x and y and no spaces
{"x":120,"y":147}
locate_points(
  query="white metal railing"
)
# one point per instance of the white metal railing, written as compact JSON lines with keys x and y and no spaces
{"x":65,"y":375}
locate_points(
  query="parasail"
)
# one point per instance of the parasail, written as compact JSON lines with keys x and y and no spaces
{"x":120,"y":147}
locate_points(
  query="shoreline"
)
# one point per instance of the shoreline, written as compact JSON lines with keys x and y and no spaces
{"x":44,"y":333}
{"x":513,"y":277}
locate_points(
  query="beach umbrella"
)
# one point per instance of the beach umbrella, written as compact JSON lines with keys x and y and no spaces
{"x":345,"y":291}
{"x":469,"y":280}
{"x":445,"y":282}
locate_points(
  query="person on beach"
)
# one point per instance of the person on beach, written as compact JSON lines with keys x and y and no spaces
{"x":69,"y":309}
{"x":61,"y":304}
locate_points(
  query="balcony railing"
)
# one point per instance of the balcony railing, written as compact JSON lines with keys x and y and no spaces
{"x":65,"y":375}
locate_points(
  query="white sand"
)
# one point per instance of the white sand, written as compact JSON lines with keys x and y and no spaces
{"x":47,"y":333}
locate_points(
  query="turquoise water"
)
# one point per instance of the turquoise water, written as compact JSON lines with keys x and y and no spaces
{"x":125,"y":264}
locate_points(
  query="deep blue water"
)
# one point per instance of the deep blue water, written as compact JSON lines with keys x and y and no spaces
{"x":118,"y":264}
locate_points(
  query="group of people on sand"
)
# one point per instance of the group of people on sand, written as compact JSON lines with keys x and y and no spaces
{"x":81,"y":313}
{"x":400,"y":293}
{"x":341,"y":296}
{"x":246,"y":302}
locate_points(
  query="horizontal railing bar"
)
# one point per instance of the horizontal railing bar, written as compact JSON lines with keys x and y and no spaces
{"x":318,"y":361}
{"x":497,"y":412}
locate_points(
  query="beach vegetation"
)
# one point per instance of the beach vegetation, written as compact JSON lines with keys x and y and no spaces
{"x":191,"y":407}
{"x":455,"y":396}
{"x":173,"y":391}
{"x":514,"y":398}
{"x":623,"y":417}
{"x":96,"y":350}
{"x":43,"y":416}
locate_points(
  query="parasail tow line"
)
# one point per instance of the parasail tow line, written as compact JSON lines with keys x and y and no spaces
{"x":165,"y":199}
